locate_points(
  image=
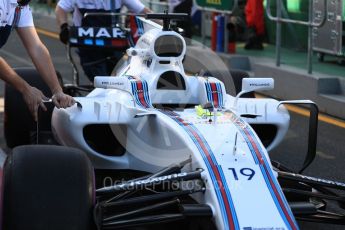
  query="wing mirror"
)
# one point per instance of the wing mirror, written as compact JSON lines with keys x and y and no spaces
{"x":254,"y":84}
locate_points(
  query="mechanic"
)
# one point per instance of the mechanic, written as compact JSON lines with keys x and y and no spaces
{"x":254,"y":11}
{"x":17,"y":14}
{"x":90,"y":55}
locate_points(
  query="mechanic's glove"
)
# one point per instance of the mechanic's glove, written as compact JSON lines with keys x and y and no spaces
{"x":34,"y":98}
{"x":62,"y":100}
{"x":64,"y":33}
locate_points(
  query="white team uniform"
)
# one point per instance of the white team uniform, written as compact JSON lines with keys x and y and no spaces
{"x":7,"y":12}
{"x":77,"y":6}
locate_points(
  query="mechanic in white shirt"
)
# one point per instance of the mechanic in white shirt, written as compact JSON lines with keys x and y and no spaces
{"x":89,"y":55}
{"x":17,"y":14}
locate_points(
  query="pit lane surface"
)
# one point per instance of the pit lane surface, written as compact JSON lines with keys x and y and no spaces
{"x":329,"y":163}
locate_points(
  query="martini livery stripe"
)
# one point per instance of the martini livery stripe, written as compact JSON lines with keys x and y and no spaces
{"x":140,"y":26}
{"x":214,"y":94}
{"x":140,"y":93}
{"x":220,"y":185}
{"x":271,"y":182}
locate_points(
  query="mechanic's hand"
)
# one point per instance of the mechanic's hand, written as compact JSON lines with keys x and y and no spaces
{"x":62,"y":100}
{"x":64,"y":33}
{"x":34,"y":98}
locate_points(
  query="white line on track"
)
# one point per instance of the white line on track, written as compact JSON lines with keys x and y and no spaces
{"x":16,"y":58}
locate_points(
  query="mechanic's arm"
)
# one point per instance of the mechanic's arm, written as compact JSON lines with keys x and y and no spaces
{"x":32,"y":96}
{"x":149,"y":11}
{"x":146,"y":11}
{"x":61,"y":15}
{"x":42,"y":60}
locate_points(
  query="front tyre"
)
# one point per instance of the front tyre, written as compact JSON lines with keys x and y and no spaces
{"x":48,"y":187}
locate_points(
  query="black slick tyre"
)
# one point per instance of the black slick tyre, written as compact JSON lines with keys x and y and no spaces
{"x":237,"y":76}
{"x":48,"y":187}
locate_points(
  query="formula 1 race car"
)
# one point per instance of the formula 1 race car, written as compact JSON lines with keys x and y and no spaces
{"x":154,"y":147}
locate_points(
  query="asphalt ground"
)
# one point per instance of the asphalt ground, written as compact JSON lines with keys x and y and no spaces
{"x":329,"y":163}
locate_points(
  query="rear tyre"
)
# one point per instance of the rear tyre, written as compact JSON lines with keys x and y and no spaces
{"x":19,"y":126}
{"x":237,"y":76}
{"x":48,"y":187}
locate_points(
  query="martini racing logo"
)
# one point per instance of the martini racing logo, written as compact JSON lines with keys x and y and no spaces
{"x":100,"y":32}
{"x":98,"y":37}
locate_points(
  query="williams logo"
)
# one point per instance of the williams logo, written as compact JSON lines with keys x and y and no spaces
{"x":260,"y":84}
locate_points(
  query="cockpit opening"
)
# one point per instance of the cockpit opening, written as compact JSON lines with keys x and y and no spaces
{"x":171,"y":80}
